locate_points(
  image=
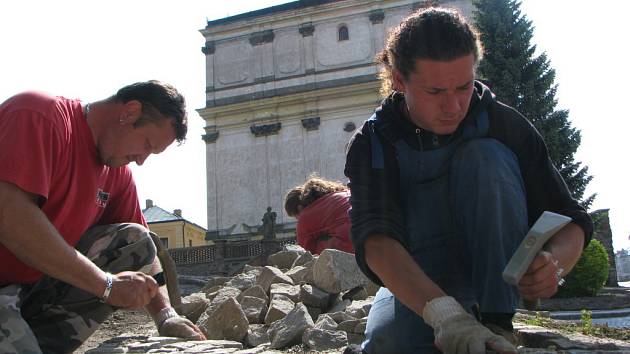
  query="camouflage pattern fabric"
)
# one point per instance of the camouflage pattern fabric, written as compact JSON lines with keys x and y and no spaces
{"x":15,"y":334}
{"x":60,"y":316}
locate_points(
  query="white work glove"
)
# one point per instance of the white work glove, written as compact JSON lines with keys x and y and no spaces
{"x":458,"y":332}
{"x":170,"y":324}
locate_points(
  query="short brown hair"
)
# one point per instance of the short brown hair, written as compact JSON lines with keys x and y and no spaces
{"x":159,"y":101}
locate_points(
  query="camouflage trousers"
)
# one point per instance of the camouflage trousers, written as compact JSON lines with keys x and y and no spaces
{"x":51,"y":316}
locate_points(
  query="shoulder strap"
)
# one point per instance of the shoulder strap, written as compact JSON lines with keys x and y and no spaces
{"x":378,"y":161}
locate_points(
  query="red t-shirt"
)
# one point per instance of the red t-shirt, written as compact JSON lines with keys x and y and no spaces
{"x":47,"y":148}
{"x":326,"y":224}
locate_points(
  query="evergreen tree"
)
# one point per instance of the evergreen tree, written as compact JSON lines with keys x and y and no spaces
{"x":526,"y":82}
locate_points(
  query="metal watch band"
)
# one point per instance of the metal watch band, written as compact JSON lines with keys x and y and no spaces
{"x":109,"y":281}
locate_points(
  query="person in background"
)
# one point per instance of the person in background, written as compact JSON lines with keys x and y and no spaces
{"x":445,"y":182}
{"x":321,"y":209}
{"x":74,"y":245}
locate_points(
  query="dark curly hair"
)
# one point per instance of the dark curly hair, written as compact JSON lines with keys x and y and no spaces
{"x":433,"y":33}
{"x":313,"y":189}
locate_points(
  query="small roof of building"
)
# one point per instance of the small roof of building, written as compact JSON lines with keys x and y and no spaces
{"x":154,"y":214}
{"x":157,"y":214}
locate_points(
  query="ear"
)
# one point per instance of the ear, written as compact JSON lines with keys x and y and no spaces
{"x":131,"y":111}
{"x":398,"y":81}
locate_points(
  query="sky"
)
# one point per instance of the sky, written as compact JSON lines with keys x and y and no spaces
{"x":88,"y":49}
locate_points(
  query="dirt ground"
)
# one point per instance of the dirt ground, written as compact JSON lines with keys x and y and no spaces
{"x":122,"y":321}
{"x":137,"y":321}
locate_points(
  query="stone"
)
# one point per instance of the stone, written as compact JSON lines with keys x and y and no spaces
{"x":297,"y":274}
{"x":360,"y":327}
{"x":314,"y":312}
{"x":227,"y":321}
{"x":279,"y":307}
{"x":354,"y":338}
{"x":259,"y":349}
{"x":321,"y":339}
{"x":539,"y":337}
{"x":371,"y":288}
{"x":360,"y":308}
{"x":218,"y":298}
{"x":254,"y":308}
{"x":282,"y":259}
{"x":244,"y":281}
{"x":294,"y":248}
{"x":254,"y":291}
{"x":290,"y":291}
{"x":214,"y":347}
{"x":312,"y":296}
{"x":256,"y":335}
{"x":358,"y":293}
{"x":113,"y":350}
{"x":340,"y":316}
{"x":289,"y":330}
{"x":348,"y":326}
{"x":339,"y":305}
{"x":194,"y":305}
{"x":211,"y":291}
{"x":324,"y":321}
{"x":336,"y":271}
{"x":303,"y":259}
{"x":272,"y":275}
{"x":216,"y":280}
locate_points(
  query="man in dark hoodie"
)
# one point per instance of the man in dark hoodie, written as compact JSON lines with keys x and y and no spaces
{"x":445,"y":183}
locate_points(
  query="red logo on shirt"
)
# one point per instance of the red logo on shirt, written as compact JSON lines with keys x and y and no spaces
{"x":101,"y":198}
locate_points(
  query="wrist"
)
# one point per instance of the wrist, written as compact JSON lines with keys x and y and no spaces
{"x":440,"y":309}
{"x":109,"y":283}
{"x":163,"y":315}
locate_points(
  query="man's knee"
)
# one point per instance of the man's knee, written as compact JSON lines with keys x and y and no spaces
{"x":140,"y":244}
{"x":130,"y":244}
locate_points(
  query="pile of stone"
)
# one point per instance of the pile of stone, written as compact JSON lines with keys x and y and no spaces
{"x":320,"y":301}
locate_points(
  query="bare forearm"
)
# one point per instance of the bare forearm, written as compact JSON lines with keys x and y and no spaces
{"x":400,"y":273}
{"x":566,"y":246}
{"x":161,"y":299}
{"x":27,"y":233}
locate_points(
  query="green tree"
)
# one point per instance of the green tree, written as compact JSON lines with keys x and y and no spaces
{"x":589,"y":274}
{"x":525,"y":81}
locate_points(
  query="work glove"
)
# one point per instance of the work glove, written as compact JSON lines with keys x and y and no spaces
{"x":458,"y":332}
{"x":172,"y":325}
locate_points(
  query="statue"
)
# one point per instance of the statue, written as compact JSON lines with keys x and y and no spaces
{"x":269,"y":224}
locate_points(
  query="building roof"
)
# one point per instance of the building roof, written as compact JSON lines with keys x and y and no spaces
{"x":154,"y":215}
{"x":157,"y":214}
{"x":294,"y":5}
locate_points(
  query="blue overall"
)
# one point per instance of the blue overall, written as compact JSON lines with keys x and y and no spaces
{"x":465,"y":212}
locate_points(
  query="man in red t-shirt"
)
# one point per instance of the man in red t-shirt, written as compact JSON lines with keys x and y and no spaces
{"x":73,"y":241}
{"x":321,"y":209}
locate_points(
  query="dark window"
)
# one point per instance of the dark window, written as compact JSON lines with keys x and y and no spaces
{"x":343,"y":33}
{"x":164,"y":241}
{"x":189,"y":243}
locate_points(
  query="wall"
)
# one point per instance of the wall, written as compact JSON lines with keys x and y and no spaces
{"x":283,"y":97}
{"x":180,"y":233}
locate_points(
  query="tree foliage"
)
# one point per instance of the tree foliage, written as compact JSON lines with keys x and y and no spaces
{"x":589,"y":274}
{"x":525,"y":81}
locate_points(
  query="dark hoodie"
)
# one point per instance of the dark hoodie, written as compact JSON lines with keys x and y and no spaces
{"x":375,"y":199}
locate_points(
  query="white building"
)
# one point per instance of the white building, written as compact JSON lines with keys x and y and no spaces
{"x":286,"y":86}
